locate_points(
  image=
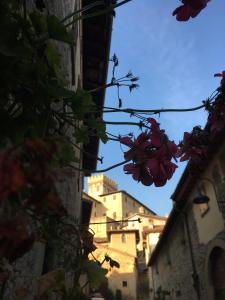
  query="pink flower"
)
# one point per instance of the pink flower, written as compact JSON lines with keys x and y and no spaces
{"x":139,"y":173}
{"x":156,"y":134}
{"x":138,"y":147}
{"x":151,"y":154}
{"x":160,"y":167}
{"x":194,"y":145}
{"x":190,"y":8}
{"x":216,"y":118}
{"x":222,"y":74}
{"x":12,"y":177}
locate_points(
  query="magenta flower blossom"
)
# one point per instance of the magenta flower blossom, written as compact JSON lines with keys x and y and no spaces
{"x":151,"y":154}
{"x":194,"y":145}
{"x":216,"y":118}
{"x":222,"y":74}
{"x":189,"y":9}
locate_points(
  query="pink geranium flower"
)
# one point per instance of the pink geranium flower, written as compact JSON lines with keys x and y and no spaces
{"x":194,"y":145}
{"x":222,"y":74}
{"x":189,"y":9}
{"x":139,"y":172}
{"x":151,"y":154}
{"x":160,"y":167}
{"x":216,"y":118}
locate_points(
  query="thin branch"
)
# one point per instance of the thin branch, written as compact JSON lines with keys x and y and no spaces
{"x":119,"y":221}
{"x":102,"y":170}
{"x":85,"y":8}
{"x":113,"y":139}
{"x":154,"y":111}
{"x":140,"y":124}
{"x":98,"y":13}
{"x":105,"y":86}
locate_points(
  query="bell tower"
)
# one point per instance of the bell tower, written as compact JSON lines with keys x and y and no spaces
{"x":100,"y":184}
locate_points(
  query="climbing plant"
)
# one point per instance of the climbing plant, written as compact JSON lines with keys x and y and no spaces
{"x":43,"y":121}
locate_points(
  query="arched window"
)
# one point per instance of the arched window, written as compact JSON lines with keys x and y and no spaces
{"x":217,"y":270}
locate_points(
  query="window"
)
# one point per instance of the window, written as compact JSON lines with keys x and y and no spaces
{"x":104,"y":199}
{"x":114,"y":215}
{"x":114,"y":197}
{"x":126,"y":215}
{"x":97,"y":188}
{"x":125,"y":198}
{"x":123,"y":238}
{"x":95,"y":214}
{"x":133,"y":204}
{"x":124,"y":283}
{"x":104,"y":214}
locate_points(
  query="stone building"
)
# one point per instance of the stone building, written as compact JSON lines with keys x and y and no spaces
{"x":120,"y":223}
{"x":189,"y":259}
{"x":85,"y":65}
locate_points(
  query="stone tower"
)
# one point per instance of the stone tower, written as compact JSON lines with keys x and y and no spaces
{"x":100,"y":184}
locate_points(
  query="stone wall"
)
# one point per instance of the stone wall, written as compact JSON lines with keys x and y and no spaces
{"x":30,"y":266}
{"x":172,"y":270}
{"x":206,"y":233}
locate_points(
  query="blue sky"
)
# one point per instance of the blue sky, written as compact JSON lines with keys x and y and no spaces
{"x":175,"y":62}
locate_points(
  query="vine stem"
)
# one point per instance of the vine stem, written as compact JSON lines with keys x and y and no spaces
{"x":102,"y":170}
{"x":154,"y":111}
{"x":97,"y":13}
{"x":140,"y":124}
{"x":105,"y":86}
{"x":85,"y":8}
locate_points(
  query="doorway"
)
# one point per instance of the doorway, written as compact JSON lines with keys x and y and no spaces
{"x":217,"y":263}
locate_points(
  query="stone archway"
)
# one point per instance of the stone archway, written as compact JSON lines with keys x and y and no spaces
{"x":217,"y":270}
{"x":214,"y":257}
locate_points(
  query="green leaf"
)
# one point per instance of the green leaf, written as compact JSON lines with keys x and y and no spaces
{"x":39,"y":22}
{"x":82,"y":135}
{"x":95,"y":273}
{"x":52,"y":56}
{"x":57,"y":91}
{"x":82,"y":103}
{"x":67,"y":153}
{"x":57,"y":30}
{"x":99,"y":127}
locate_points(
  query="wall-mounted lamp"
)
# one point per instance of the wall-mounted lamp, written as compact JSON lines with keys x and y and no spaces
{"x":201,"y":199}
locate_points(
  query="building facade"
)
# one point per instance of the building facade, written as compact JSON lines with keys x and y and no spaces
{"x":189,"y":259}
{"x":120,"y":223}
{"x":85,"y":65}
